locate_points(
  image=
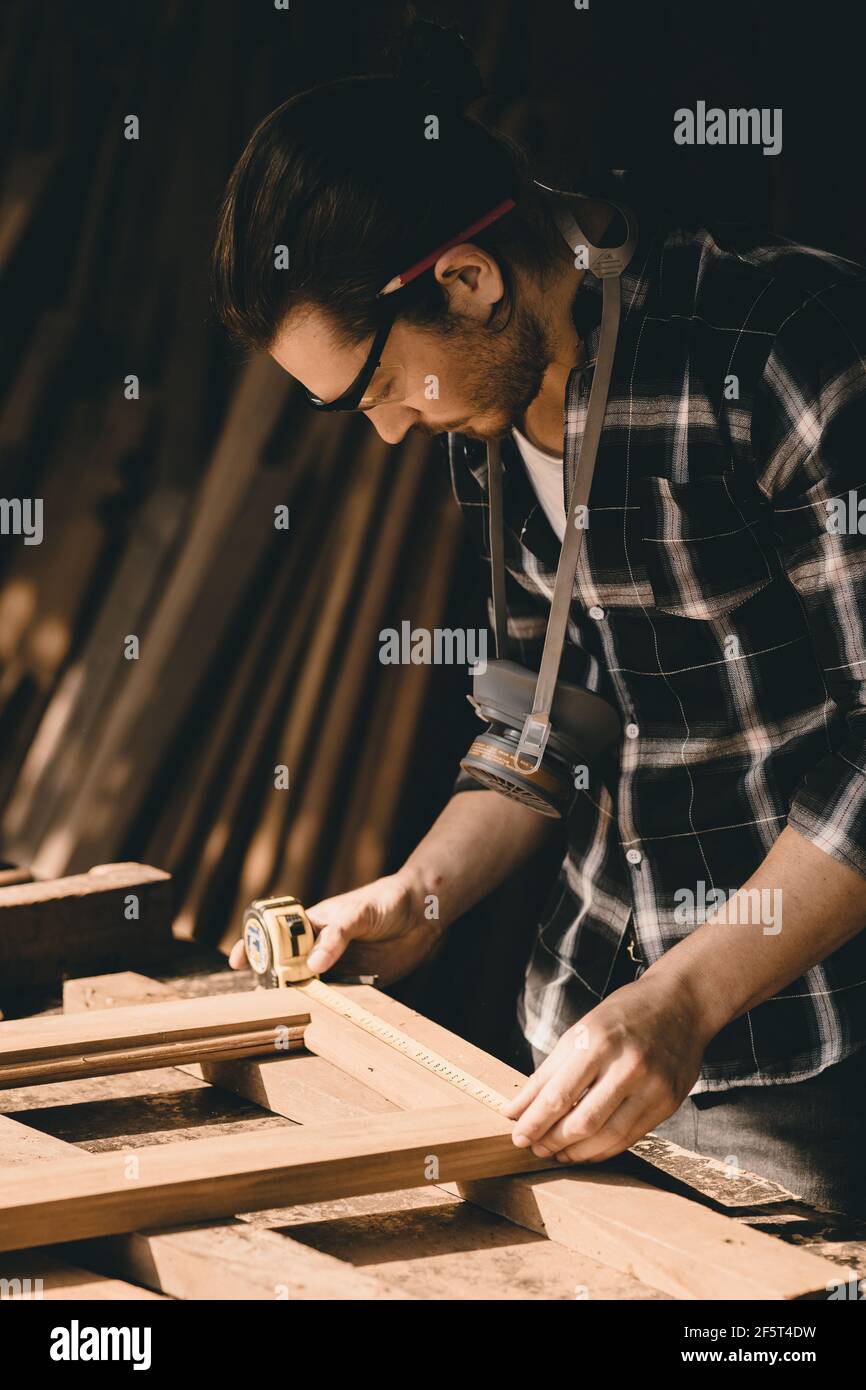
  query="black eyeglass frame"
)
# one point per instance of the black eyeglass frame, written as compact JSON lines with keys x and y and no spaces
{"x":354,"y":394}
{"x":351,"y":398}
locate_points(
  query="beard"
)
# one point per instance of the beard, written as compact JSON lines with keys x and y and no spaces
{"x":500,"y":372}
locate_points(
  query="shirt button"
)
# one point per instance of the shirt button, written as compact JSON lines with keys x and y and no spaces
{"x":596,"y":612}
{"x":631,"y":730}
{"x":633,"y":856}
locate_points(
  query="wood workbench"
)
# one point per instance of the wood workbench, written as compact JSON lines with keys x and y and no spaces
{"x":423,"y":1243}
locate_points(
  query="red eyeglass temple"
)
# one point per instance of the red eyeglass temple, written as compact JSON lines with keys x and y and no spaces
{"x":420,"y":266}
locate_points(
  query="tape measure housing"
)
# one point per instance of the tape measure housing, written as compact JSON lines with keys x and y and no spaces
{"x":278,"y":938}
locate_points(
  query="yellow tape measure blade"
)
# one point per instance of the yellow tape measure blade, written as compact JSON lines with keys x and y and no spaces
{"x":409,"y":1047}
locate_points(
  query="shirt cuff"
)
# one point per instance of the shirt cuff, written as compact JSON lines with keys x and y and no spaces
{"x":830,"y":810}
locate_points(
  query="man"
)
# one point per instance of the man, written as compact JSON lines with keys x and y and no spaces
{"x":702,"y":956}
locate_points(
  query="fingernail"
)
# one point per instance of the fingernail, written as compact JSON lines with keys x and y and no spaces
{"x":521,"y":1141}
{"x":540,"y":1151}
{"x":316,"y":961}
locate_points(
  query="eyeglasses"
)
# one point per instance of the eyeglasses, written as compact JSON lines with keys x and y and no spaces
{"x":376,"y":384}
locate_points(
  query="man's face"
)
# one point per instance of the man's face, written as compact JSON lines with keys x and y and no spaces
{"x":464,"y":376}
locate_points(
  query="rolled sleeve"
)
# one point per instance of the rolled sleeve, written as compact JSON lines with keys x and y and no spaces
{"x":809,"y":435}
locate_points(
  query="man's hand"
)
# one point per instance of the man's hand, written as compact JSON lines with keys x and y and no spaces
{"x":387,"y":928}
{"x":626,"y":1066}
{"x":379,"y":929}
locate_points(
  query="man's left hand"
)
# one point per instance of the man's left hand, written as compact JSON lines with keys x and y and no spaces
{"x":624,"y":1068}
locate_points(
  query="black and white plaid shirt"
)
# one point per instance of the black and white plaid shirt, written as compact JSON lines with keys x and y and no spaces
{"x":721,"y":607}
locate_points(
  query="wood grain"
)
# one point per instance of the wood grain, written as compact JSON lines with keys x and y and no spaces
{"x":105,"y":1194}
{"x":671,"y":1243}
{"x":63,"y":1046}
{"x":231,"y":1260}
{"x":68,"y":925}
{"x":663,"y":1239}
{"x":38,"y":1274}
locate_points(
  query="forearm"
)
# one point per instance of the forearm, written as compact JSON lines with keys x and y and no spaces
{"x":477,"y":841}
{"x":731,"y":962}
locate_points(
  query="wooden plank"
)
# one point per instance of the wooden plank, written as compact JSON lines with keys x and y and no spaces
{"x":10,"y":874}
{"x":705,"y":1176}
{"x":391,"y":728}
{"x":360,"y":507}
{"x":237,"y":1261}
{"x":307,"y":839}
{"x":439,"y":1248}
{"x":405,"y":1083}
{"x":24,"y":1043}
{"x":724,"y":1185}
{"x":119,"y":990}
{"x":293,"y":1088}
{"x":612,"y":1217}
{"x":284,"y":663}
{"x":309,"y":1091}
{"x":67,"y":925}
{"x":667,"y":1241}
{"x":38,"y":1274}
{"x":20,"y":195}
{"x":670,"y":1243}
{"x":84,"y":478}
{"x":232,"y":1260}
{"x":108,"y":1193}
{"x":146,"y":1057}
{"x":21,"y":1146}
{"x":427,"y":1243}
{"x":210,"y":573}
{"x":302,"y":1087}
{"x":231,"y":748}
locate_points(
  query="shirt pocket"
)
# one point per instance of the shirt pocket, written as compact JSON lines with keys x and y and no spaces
{"x":704,"y":545}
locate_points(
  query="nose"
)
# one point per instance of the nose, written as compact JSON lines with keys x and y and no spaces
{"x":392,"y":422}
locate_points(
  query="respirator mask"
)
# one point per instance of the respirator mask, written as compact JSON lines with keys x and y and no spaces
{"x":540,"y":729}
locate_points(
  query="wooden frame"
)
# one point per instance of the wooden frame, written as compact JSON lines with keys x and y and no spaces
{"x":427,"y":1133}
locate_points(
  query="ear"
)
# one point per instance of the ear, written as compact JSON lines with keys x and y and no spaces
{"x":471,"y":279}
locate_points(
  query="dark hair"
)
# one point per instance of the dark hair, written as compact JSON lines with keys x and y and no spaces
{"x":345,"y":177}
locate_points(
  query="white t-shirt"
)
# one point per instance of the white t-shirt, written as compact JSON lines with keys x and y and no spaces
{"x":545,"y":474}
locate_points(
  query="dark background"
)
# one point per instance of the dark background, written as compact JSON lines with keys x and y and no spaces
{"x":259,"y":648}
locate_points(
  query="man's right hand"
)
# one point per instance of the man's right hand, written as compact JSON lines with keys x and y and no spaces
{"x":379,"y":929}
{"x":382,"y":929}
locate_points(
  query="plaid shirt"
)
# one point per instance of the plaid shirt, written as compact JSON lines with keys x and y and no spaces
{"x":718,"y":610}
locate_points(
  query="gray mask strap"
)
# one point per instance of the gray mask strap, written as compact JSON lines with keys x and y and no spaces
{"x":497,"y":547}
{"x":608,"y":264}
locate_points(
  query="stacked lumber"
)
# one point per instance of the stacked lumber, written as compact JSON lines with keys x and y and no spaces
{"x":65,"y":926}
{"x":249,"y":739}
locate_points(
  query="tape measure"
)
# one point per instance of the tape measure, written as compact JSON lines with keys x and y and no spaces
{"x":279,"y":938}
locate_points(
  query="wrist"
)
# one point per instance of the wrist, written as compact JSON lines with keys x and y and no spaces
{"x":422,"y":900}
{"x":694,"y":988}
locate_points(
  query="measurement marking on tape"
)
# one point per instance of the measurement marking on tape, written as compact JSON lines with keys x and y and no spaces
{"x":409,"y":1047}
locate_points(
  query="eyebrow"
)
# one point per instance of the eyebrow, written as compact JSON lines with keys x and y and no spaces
{"x":329,"y":401}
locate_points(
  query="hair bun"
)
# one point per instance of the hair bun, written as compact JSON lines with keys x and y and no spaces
{"x":438,"y":61}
